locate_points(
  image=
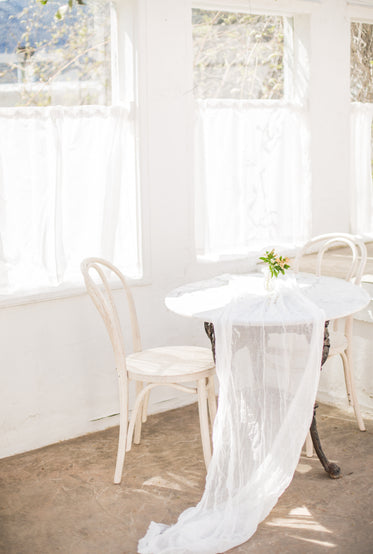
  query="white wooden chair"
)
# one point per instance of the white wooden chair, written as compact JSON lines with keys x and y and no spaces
{"x":340,"y":331}
{"x":169,"y":365}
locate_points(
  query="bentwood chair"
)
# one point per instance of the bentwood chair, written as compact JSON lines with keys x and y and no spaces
{"x":167,"y":365}
{"x":340,"y":330}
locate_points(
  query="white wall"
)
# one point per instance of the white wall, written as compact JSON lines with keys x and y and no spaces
{"x":329,"y":116}
{"x":57,"y":374}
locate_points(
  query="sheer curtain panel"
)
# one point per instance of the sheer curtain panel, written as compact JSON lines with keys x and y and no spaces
{"x":252,"y":175}
{"x":68,"y":191}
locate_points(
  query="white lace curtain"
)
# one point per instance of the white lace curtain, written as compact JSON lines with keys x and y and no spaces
{"x":361,"y":169}
{"x":252,"y":176}
{"x":67,"y":191}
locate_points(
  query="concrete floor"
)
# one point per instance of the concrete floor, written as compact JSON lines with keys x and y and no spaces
{"x":62,"y":499}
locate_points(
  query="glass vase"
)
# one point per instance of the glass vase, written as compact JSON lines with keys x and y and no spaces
{"x":269,"y":281}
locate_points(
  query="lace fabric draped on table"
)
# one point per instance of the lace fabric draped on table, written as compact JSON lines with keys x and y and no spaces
{"x":268,"y":376}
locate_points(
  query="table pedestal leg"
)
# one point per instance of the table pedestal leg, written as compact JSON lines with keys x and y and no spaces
{"x":210,"y":332}
{"x":332,"y":469}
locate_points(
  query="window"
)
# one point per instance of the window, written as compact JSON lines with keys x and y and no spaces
{"x":68,"y":166}
{"x":361,"y":89}
{"x":54,"y":55}
{"x":361,"y":62}
{"x":252,"y":173}
{"x":238,"y":55}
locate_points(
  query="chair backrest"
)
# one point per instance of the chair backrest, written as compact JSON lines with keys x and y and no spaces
{"x":98,"y":274}
{"x":322,"y":243}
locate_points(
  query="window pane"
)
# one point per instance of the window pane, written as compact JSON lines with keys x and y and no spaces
{"x":50,"y":54}
{"x":362,"y":62}
{"x":238,"y":55}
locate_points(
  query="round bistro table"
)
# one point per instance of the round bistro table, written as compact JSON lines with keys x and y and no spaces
{"x":205,"y":300}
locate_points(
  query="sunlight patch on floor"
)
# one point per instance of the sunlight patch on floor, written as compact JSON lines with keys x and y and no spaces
{"x":299,"y":518}
{"x":314,"y":541}
{"x":158,"y":481}
{"x":303,"y":468}
{"x":174,"y":482}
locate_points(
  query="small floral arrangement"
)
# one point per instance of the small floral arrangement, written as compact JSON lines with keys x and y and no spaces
{"x":276,"y":264}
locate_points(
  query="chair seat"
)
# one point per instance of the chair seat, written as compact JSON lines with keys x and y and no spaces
{"x":338,"y":343}
{"x":170,"y":362}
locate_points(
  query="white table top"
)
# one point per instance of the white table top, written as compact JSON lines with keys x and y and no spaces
{"x":205,"y":300}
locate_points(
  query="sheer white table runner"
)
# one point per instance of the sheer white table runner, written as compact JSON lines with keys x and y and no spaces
{"x":268,"y":357}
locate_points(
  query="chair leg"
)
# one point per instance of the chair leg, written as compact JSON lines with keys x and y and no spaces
{"x":347,"y":374}
{"x":203,"y":420}
{"x":136,"y":413}
{"x":351,"y":391}
{"x":137,"y":434}
{"x":211,"y":399}
{"x":145,"y":408}
{"x":123,"y":424}
{"x":309,"y":446}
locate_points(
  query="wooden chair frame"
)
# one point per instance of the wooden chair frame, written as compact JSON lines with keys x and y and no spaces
{"x":135,"y":367}
{"x":341,"y":342}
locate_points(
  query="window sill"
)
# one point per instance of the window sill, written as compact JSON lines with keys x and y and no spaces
{"x":22,"y":298}
{"x":251,"y":256}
